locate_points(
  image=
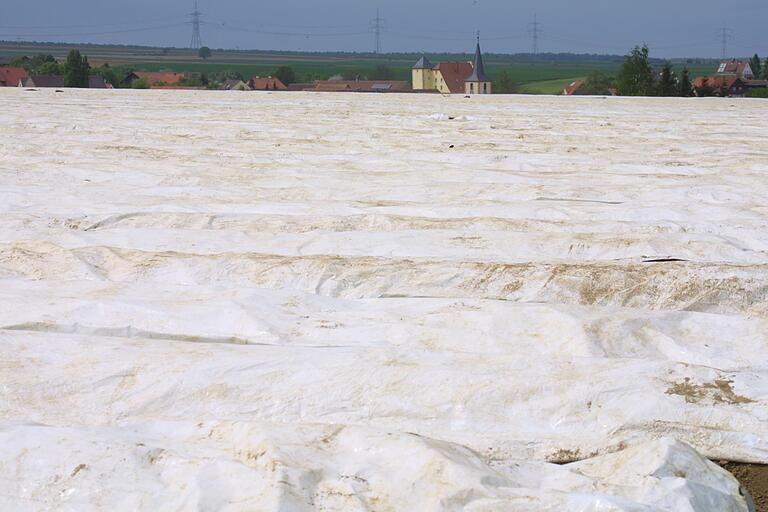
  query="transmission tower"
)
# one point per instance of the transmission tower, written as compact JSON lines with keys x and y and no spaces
{"x":377,"y":26}
{"x":534,"y":28}
{"x":725,"y":35}
{"x":197,"y":42}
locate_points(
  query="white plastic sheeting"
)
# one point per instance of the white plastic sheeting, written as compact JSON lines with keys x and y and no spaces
{"x":307,"y":301}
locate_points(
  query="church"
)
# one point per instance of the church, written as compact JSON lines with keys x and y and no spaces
{"x":452,"y":77}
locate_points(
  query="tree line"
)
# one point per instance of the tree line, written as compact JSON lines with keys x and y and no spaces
{"x":76,"y":71}
{"x":636,"y":77}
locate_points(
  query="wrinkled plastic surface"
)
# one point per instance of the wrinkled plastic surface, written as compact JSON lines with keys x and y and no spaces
{"x":306,"y":301}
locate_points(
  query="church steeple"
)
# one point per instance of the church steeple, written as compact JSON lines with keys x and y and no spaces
{"x":478,"y":72}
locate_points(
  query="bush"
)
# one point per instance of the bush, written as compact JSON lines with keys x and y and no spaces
{"x":758,"y":93}
{"x":141,"y":83}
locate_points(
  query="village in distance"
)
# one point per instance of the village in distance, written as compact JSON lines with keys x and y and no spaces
{"x":634,"y":74}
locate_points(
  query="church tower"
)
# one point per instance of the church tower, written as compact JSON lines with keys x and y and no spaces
{"x":423,"y":75}
{"x":478,"y":82}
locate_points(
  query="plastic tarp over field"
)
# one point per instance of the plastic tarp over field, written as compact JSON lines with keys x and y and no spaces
{"x":297,"y":301}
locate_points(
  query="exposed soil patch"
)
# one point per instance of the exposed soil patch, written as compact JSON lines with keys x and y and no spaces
{"x":754,"y":477}
{"x":719,"y":391}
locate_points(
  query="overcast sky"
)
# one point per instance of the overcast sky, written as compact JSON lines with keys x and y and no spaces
{"x":672,"y":28}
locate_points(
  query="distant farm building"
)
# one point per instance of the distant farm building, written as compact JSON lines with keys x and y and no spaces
{"x":452,"y":77}
{"x":154,"y":79}
{"x":734,"y":78}
{"x":723,"y":86}
{"x":97,"y":82}
{"x":43,"y":81}
{"x":736,"y":68}
{"x":57,"y":81}
{"x":266,"y":84}
{"x":11,"y":77}
{"x":235,"y":85}
{"x":380,"y":86}
{"x":570,"y":89}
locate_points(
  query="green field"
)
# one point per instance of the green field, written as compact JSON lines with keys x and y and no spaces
{"x":546,"y":74}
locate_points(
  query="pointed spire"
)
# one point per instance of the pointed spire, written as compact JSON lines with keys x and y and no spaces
{"x":478,"y":69}
{"x":423,"y":63}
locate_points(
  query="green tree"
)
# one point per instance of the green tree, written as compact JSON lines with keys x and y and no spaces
{"x":684,"y":85}
{"x":76,"y":70}
{"x":504,"y":84}
{"x":18,"y":62}
{"x":668,"y":81}
{"x":596,"y":83}
{"x":204,"y":52}
{"x":108,"y":74}
{"x":756,"y":64}
{"x":39,"y":61}
{"x":285,"y":74}
{"x":765,"y":70}
{"x":49,"y":68}
{"x":636,"y":75}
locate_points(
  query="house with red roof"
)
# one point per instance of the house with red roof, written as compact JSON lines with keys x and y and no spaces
{"x":736,"y":68}
{"x":12,"y":77}
{"x":266,"y":84}
{"x":723,"y":86}
{"x":154,"y":79}
{"x":359,"y":86}
{"x":570,"y":89}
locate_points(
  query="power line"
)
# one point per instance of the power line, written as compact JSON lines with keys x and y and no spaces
{"x":197,"y":41}
{"x":377,"y":26}
{"x":222,"y":25}
{"x":725,"y":35}
{"x":534,"y":29}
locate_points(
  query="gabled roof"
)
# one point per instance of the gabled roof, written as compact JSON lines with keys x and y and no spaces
{"x":97,"y":82}
{"x":721,"y":85}
{"x":715,"y":82}
{"x":9,"y":77}
{"x":235,"y":84}
{"x":94,"y":82}
{"x":267,"y":84}
{"x":158,"y":78}
{"x":571,"y":88}
{"x":360,"y":86}
{"x":44,"y":81}
{"x":423,"y":63}
{"x":478,"y":69}
{"x":454,"y":74}
{"x":734,"y":67}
